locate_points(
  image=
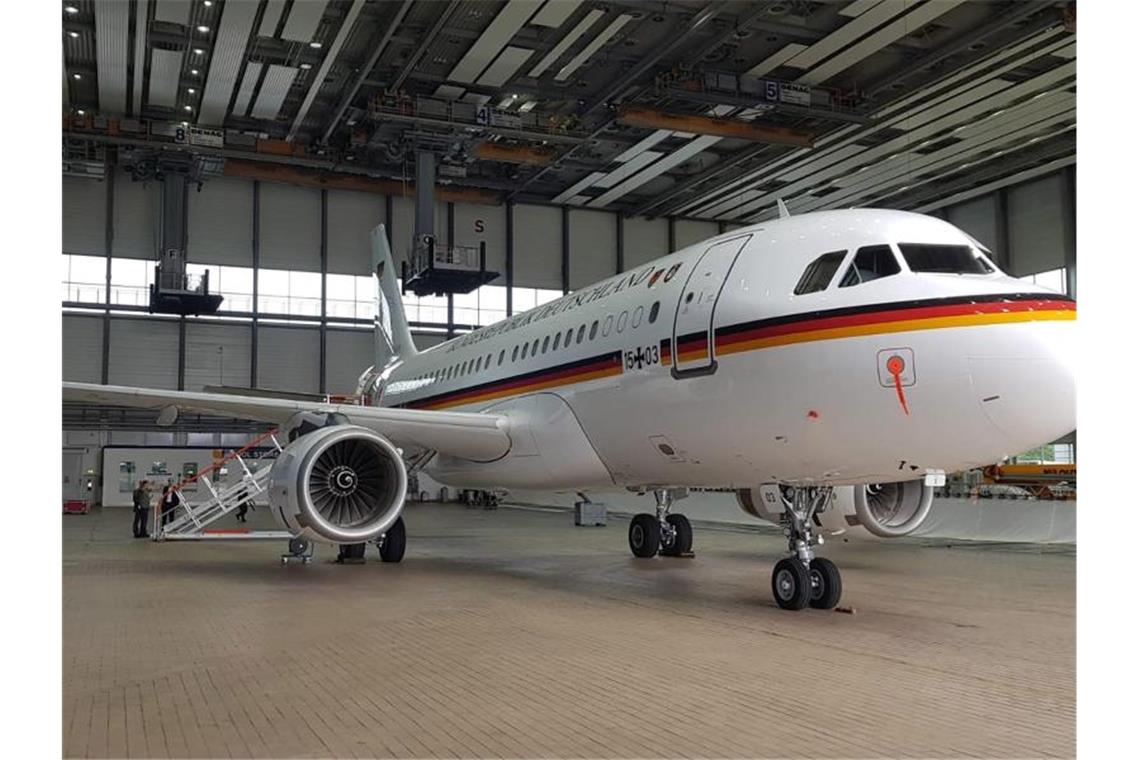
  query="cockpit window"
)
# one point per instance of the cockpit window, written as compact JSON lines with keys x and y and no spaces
{"x":946,"y":259}
{"x":818,"y":274}
{"x":870,"y":263}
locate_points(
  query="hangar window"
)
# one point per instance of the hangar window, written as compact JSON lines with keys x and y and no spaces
{"x":557,"y":340}
{"x":581,"y":333}
{"x":502,"y":355}
{"x":656,"y":307}
{"x":85,"y":279}
{"x":622,"y":320}
{"x":944,"y":259}
{"x":870,"y":263}
{"x":638,"y":313}
{"x":608,"y":325}
{"x":818,"y":274}
{"x":594,"y":329}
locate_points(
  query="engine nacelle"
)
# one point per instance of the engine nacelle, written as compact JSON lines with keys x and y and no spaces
{"x":341,"y":484}
{"x":885,"y":510}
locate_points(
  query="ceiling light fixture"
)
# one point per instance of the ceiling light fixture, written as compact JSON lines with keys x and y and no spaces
{"x":315,"y":45}
{"x":198,"y":51}
{"x":81,"y":112}
{"x":306,"y":66}
{"x":194,"y":72}
{"x":76,"y":76}
{"x":73,"y":35}
{"x":208,"y":3}
{"x":191,"y":90}
{"x":72,"y":10}
{"x":204,"y":29}
{"x":187,"y":108}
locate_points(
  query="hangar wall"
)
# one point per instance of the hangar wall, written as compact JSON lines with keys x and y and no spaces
{"x":283,"y":240}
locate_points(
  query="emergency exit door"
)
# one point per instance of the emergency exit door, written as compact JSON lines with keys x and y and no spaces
{"x":693,"y":350}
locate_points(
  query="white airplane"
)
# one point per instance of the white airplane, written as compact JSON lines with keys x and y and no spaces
{"x":836,"y":362}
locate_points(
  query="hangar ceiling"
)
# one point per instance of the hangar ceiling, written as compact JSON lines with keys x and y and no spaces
{"x":698,"y":109}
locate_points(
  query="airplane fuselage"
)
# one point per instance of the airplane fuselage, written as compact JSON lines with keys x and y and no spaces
{"x":705,"y":368}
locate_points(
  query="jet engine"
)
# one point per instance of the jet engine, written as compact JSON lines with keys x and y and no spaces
{"x":340,"y":484}
{"x":885,"y":510}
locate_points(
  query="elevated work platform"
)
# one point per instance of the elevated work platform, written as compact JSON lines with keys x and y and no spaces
{"x":435,"y":269}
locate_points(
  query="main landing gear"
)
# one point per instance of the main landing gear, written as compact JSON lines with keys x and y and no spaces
{"x":804,"y":579}
{"x":391,"y":545}
{"x":671,"y":535}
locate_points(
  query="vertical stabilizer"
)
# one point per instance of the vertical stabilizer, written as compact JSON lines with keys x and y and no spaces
{"x":392,"y":337}
{"x":783,"y":208}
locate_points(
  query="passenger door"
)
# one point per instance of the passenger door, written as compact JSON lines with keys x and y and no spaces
{"x":693,"y":350}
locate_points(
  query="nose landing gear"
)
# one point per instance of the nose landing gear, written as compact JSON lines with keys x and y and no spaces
{"x":670,"y":535}
{"x":804,"y":579}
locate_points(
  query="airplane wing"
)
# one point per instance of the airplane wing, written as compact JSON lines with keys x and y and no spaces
{"x":479,"y":437}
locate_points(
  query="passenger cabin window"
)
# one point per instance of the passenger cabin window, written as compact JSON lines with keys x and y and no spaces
{"x":944,"y":259}
{"x":818,"y":274}
{"x":870,"y":263}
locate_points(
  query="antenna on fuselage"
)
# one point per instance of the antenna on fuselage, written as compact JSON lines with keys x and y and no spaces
{"x":784,"y":213}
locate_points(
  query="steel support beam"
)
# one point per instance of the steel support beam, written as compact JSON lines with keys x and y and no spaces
{"x":672,"y":226}
{"x":450,"y":243}
{"x":108,"y":241}
{"x":378,"y":50}
{"x":510,"y":273}
{"x":326,"y":66}
{"x":648,"y":118}
{"x":182,"y":353}
{"x":565,"y":250}
{"x":1069,"y":225}
{"x":514,"y":154}
{"x":620,"y":244}
{"x":1001,"y":228}
{"x":256,"y":268}
{"x":324,"y":332}
{"x":428,"y":39}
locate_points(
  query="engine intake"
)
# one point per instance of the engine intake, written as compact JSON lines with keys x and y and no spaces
{"x":341,"y":484}
{"x":891,"y":510}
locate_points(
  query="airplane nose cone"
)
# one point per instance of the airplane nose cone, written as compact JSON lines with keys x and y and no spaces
{"x":1027,"y":386}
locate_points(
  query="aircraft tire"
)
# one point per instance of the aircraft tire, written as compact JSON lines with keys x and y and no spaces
{"x":683,"y":540}
{"x":644,"y":535}
{"x":826,"y":585}
{"x":395,"y":542}
{"x":791,"y":584}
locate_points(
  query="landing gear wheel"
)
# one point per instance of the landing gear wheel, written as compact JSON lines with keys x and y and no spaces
{"x":682,"y":536}
{"x":644,"y":535}
{"x":351,"y":553}
{"x":298,"y":546}
{"x":394,"y":543}
{"x":826,"y":585}
{"x":791,"y":584}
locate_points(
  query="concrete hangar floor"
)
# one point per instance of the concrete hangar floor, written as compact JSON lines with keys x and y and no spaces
{"x":511,"y":633}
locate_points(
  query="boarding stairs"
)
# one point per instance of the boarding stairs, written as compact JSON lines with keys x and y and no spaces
{"x":191,"y":518}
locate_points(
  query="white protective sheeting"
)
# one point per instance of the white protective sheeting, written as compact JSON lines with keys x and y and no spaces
{"x":554,"y":12}
{"x":84,"y":216}
{"x":144,"y":352}
{"x":351,"y":217}
{"x":497,"y":34}
{"x":474,"y":223}
{"x":850,"y":32}
{"x":112,"y":22}
{"x":644,"y":240}
{"x":687,"y":232}
{"x":1036,"y":232}
{"x":593,"y":247}
{"x":347,"y":354}
{"x":271,"y":17}
{"x":288,"y":358}
{"x":594,"y":45}
{"x":978,"y":217}
{"x":303,"y":20}
{"x":229,"y":52}
{"x":564,"y":44}
{"x":537,"y":247}
{"x":136,"y":218}
{"x":82,"y":348}
{"x":274,"y":88}
{"x":165,"y":69}
{"x":290,"y":220}
{"x":505,"y":66}
{"x":245,"y":92}
{"x":220,"y":223}
{"x":217,"y":354}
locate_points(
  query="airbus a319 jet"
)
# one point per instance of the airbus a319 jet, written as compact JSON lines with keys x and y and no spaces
{"x":834,"y":363}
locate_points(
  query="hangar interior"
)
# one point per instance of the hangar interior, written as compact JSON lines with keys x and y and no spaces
{"x":262,"y":141}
